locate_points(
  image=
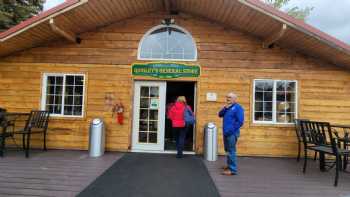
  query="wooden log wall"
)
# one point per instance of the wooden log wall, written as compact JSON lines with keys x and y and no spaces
{"x":230,"y":61}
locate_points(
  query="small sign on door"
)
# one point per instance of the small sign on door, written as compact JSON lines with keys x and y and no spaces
{"x":154,"y":103}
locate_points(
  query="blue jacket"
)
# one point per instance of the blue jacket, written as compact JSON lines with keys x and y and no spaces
{"x":233,"y":119}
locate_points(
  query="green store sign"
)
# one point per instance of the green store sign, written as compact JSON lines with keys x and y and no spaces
{"x":165,"y":70}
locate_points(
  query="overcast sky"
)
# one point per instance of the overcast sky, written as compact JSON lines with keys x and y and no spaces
{"x":330,"y":16}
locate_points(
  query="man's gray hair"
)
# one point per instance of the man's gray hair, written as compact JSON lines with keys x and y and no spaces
{"x":233,"y":95}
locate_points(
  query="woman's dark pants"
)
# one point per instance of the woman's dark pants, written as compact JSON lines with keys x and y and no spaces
{"x":180,"y":135}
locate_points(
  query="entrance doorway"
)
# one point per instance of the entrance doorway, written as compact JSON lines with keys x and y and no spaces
{"x":175,"y":89}
{"x":152,"y":131}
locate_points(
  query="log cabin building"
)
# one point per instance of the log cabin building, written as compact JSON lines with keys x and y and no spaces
{"x":125,"y":60}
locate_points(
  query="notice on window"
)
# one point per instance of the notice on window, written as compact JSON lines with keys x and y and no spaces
{"x":154,"y":103}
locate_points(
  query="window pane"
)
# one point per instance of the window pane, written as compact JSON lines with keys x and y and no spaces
{"x":292,"y":117}
{"x":144,"y":91}
{"x":79,"y":80}
{"x":282,"y":106}
{"x":143,"y":114}
{"x":143,"y":137}
{"x":59,"y":80}
{"x":282,"y":118}
{"x":267,"y":116}
{"x":152,"y":137}
{"x":291,"y":107}
{"x":69,"y":80}
{"x":50,"y":90}
{"x":143,"y":126}
{"x":144,"y":103}
{"x":259,"y":96}
{"x":77,"y":110}
{"x":285,"y":117}
{"x":153,"y":126}
{"x":259,"y":116}
{"x":281,"y":86}
{"x":58,"y":99}
{"x":69,"y":90}
{"x":78,"y":90}
{"x":51,"y":80}
{"x":268,"y":96}
{"x":268,"y":85}
{"x":50,"y":108}
{"x":49,"y":99}
{"x":57,"y":109}
{"x":68,"y":100}
{"x":78,"y":100}
{"x":281,"y":96}
{"x":290,"y":97}
{"x":259,"y":106}
{"x":268,"y":106}
{"x":58,"y":89}
{"x":291,"y":86}
{"x":154,"y":92}
{"x":68,"y":110}
{"x":168,"y":43}
{"x":153,"y":115}
{"x":259,"y":85}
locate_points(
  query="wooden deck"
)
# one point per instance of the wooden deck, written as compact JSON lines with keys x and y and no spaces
{"x":277,"y":177}
{"x":51,"y":173}
{"x":66,"y":173}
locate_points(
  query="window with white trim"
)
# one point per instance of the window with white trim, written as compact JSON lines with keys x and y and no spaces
{"x":275,"y":101}
{"x":167,"y":42}
{"x":63,"y":94}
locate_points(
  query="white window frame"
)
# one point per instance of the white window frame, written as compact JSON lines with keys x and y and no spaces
{"x":44,"y":91}
{"x":274,"y":102}
{"x":161,"y":59}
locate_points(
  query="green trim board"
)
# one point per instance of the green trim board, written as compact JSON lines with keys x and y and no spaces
{"x":165,"y":70}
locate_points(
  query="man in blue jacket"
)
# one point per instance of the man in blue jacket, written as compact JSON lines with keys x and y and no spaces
{"x":233,"y":119}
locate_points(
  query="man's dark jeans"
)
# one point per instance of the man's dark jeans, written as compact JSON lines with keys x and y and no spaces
{"x":230,"y":148}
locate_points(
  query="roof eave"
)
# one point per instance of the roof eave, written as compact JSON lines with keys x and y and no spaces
{"x":40,"y":18}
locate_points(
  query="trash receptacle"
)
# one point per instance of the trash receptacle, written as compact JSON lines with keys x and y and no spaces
{"x":97,"y":138}
{"x":210,"y":142}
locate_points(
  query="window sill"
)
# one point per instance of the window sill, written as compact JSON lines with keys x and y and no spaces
{"x":291,"y":125}
{"x":70,"y":118}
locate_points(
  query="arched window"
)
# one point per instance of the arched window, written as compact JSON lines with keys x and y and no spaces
{"x":167,"y":43}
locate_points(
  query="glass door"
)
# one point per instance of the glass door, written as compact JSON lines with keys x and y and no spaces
{"x":149,"y":116}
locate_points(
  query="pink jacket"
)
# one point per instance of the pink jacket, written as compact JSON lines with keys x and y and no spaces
{"x":176,"y":114}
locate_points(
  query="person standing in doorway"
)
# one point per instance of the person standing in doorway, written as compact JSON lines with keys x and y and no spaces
{"x":176,"y":115}
{"x":233,"y":119}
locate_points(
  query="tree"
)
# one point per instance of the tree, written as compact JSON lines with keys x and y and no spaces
{"x":13,"y":12}
{"x":296,"y":12}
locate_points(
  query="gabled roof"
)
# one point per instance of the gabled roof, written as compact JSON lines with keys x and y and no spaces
{"x":250,"y":16}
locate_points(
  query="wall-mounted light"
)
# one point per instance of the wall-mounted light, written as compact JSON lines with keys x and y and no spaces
{"x":168,"y":21}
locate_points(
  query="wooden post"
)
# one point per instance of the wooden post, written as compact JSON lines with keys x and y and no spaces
{"x":67,"y":35}
{"x":269,"y":41}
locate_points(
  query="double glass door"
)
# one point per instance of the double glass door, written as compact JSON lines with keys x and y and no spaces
{"x":149,"y":116}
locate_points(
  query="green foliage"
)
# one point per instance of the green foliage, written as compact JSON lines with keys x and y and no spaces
{"x":13,"y":12}
{"x":296,"y":12}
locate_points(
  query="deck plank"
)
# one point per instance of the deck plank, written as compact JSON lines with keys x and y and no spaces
{"x":51,"y":173}
{"x":276,"y":177}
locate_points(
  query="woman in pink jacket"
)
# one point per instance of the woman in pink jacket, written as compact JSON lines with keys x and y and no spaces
{"x":176,"y":115}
